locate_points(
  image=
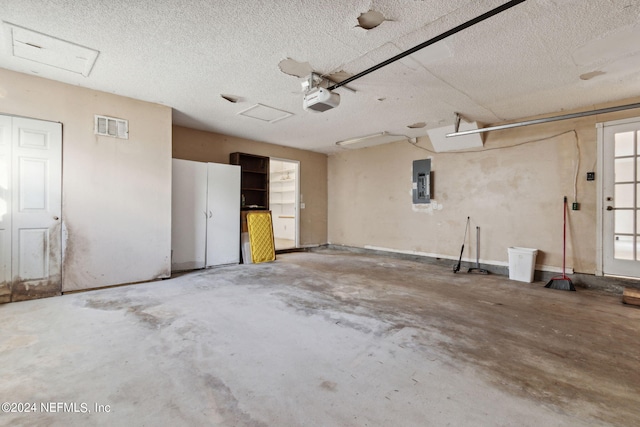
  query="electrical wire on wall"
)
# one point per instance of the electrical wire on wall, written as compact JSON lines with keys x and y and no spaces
{"x":547,"y":138}
{"x":577,"y":170}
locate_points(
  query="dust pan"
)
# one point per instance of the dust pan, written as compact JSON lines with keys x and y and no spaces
{"x":563,"y":282}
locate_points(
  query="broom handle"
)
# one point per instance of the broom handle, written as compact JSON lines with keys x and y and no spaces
{"x":477,"y":247}
{"x":564,"y":237}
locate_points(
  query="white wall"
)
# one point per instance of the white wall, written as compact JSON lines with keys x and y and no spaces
{"x":116,"y":207}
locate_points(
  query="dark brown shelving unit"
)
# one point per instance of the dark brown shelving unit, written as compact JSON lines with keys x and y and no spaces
{"x":254,"y":182}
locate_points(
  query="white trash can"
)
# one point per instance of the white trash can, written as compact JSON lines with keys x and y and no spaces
{"x":522,"y":264}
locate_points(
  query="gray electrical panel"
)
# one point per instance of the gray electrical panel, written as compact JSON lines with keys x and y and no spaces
{"x":421,"y":181}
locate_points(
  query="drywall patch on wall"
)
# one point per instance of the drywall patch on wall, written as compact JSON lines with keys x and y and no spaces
{"x":427,"y":208}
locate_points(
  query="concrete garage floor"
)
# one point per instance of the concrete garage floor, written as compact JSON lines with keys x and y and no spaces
{"x":325,"y":338}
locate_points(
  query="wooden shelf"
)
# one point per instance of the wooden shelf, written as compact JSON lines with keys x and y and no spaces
{"x":254,"y":182}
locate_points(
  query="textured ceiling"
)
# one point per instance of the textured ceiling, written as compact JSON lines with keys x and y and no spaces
{"x":541,"y":56}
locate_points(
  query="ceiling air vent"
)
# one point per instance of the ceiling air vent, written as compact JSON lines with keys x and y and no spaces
{"x":109,"y":126}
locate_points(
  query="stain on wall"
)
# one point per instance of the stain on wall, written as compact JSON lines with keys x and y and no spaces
{"x":116,"y":204}
{"x":512,"y":188}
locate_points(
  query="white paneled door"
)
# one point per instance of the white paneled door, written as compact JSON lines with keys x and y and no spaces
{"x":30,"y":208}
{"x":620,"y":153}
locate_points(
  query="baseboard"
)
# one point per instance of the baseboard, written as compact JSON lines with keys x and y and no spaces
{"x":614,"y":285}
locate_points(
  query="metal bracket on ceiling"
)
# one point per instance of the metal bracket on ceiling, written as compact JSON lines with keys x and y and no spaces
{"x":316,"y":80}
{"x":456,"y":124}
{"x":335,"y":83}
{"x":546,"y":119}
{"x":313,"y":80}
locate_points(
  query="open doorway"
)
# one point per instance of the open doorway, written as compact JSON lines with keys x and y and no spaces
{"x":284,"y":184}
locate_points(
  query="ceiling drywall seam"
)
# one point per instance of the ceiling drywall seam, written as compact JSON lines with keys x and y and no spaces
{"x":340,"y":68}
{"x":461,"y":92}
{"x":439,"y":38}
{"x":442,"y":36}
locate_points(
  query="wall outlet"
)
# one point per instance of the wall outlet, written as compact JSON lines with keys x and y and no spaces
{"x":301,"y":205}
{"x":591,"y":176}
{"x":575,"y":206}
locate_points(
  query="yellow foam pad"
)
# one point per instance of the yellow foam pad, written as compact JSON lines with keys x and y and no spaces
{"x":260,"y":230}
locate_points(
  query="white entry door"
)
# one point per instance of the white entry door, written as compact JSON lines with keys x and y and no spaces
{"x":30,"y":206}
{"x":620,"y":204}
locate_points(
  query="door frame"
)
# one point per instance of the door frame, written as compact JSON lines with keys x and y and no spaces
{"x":297,"y":193}
{"x":600,"y":158}
{"x":45,"y":287}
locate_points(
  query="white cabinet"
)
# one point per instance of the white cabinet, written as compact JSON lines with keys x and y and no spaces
{"x":205,"y":215}
{"x":223,"y":204}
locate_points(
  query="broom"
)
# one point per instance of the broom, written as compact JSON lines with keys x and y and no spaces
{"x":477,"y":269}
{"x":563,"y":282}
{"x":456,"y":267}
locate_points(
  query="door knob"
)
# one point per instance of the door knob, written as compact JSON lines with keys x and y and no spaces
{"x":610,"y":208}
{"x":210,"y":214}
{"x":56,"y":218}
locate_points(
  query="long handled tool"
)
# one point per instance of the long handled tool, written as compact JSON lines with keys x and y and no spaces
{"x":563,"y":282}
{"x":477,"y":269}
{"x":456,"y":267}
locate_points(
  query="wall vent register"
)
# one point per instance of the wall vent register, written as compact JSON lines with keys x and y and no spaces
{"x":109,"y":126}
